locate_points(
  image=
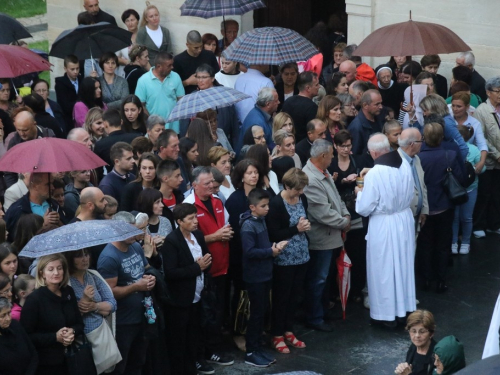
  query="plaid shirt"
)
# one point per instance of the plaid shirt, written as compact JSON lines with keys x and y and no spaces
{"x":102,"y":293}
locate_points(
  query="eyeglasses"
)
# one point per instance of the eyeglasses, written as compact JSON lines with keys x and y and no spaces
{"x":495,"y":91}
{"x":41,"y":91}
{"x":421,"y":332}
{"x":422,"y":140}
{"x":258,"y":138}
{"x":203,"y":77}
{"x":6,"y":293}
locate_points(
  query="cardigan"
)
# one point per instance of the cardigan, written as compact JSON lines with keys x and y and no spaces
{"x":278,"y":219}
{"x":45,"y":313}
{"x":144,"y":39}
{"x":180,"y":268}
{"x":113,"y":95}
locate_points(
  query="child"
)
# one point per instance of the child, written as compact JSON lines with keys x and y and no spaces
{"x":111,"y":207}
{"x":463,"y":213}
{"x":67,"y":88}
{"x":258,"y":254}
{"x":22,"y":288}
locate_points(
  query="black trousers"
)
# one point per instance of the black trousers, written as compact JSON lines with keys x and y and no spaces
{"x":487,"y":210}
{"x":133,"y":347}
{"x":288,"y":286}
{"x":181,"y":331}
{"x":212,"y":333}
{"x":258,"y":294}
{"x":434,"y":245}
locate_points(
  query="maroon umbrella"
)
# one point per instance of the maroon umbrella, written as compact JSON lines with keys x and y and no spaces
{"x":49,"y":155}
{"x":16,"y":61}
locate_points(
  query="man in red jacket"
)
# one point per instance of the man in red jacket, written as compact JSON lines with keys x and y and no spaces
{"x":213,"y":223}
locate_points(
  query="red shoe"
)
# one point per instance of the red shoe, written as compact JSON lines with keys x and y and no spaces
{"x":280,"y":345}
{"x":290,"y":337}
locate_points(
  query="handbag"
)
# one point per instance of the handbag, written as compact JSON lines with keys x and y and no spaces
{"x":79,"y":358}
{"x":453,"y":189}
{"x":104,"y":348}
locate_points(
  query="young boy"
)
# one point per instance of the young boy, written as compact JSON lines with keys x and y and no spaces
{"x":258,"y":254}
{"x":169,"y":174}
{"x":67,"y":88}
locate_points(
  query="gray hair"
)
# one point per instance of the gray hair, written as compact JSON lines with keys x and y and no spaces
{"x":378,"y":142}
{"x":346,"y":98}
{"x":218,"y":176}
{"x":73,"y":133}
{"x":5,"y":303}
{"x":199,"y":171}
{"x":193,"y":37}
{"x":367,"y":97}
{"x":493,"y":83}
{"x":358,"y":86}
{"x":228,"y":22}
{"x":125,"y":216}
{"x":140,"y":219}
{"x":433,"y":103}
{"x":279,"y":136}
{"x":154,"y":120}
{"x":408,"y":137}
{"x":349,"y":50}
{"x":255,"y":127}
{"x":469,"y":58}
{"x":265,"y":96}
{"x":320,"y":146}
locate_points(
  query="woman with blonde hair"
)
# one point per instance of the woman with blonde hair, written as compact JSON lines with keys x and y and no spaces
{"x":283,"y":121}
{"x":285,"y":146}
{"x":152,"y":35}
{"x":51,"y":316}
{"x":94,"y":125}
{"x":220,"y":158}
{"x":330,"y":112}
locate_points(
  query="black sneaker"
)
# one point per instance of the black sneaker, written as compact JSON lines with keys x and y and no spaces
{"x":204,"y":368}
{"x":220,"y":360}
{"x":255,"y":359}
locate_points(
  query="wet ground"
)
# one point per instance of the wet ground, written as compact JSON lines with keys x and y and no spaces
{"x":356,"y":347}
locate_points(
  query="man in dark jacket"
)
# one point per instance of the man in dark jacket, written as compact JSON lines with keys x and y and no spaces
{"x":92,"y":7}
{"x":316,"y":129}
{"x":37,"y":201}
{"x":478,"y":84}
{"x":67,"y":88}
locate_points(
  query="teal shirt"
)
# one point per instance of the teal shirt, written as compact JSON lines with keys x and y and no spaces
{"x":39,"y":209}
{"x":473,"y":157}
{"x":474,"y":100}
{"x":160,"y":97}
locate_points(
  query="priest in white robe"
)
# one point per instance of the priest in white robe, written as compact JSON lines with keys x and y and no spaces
{"x":386,"y":198}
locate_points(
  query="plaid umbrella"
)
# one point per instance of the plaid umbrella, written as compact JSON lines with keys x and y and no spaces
{"x":199,"y":101}
{"x":270,"y":46}
{"x":79,"y":235}
{"x":216,"y":8}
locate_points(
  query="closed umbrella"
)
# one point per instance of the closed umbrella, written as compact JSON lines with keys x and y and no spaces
{"x":79,"y":235}
{"x":11,"y":30}
{"x":199,"y":101}
{"x":16,"y":61}
{"x":90,"y":41}
{"x":344,"y":277}
{"x":270,"y":46}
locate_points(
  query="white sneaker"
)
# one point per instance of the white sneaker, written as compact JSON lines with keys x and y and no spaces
{"x":366,"y":302}
{"x":464,"y":249}
{"x":479,"y":233}
{"x":493,"y":231}
{"x":454,"y":248}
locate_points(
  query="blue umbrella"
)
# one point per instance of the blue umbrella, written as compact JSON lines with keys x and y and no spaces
{"x":270,"y":46}
{"x":199,"y":101}
{"x":216,"y":8}
{"x":79,"y":235}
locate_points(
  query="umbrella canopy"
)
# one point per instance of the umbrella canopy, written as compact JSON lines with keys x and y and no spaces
{"x":344,"y":278}
{"x":90,"y":41}
{"x":210,"y":8}
{"x":79,"y":235}
{"x":411,"y":38}
{"x":49,"y":155}
{"x":199,"y":101}
{"x":270,"y":46}
{"x":16,"y":61}
{"x":11,"y":29}
{"x":488,"y":366}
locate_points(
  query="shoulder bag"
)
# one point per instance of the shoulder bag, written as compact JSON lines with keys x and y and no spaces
{"x":455,"y":191}
{"x":79,"y":359}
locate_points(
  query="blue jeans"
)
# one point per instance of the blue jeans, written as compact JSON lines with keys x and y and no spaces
{"x":463,"y":217}
{"x":317,"y":273}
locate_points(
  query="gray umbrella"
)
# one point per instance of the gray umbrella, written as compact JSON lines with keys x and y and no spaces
{"x":11,"y":29}
{"x":79,"y":235}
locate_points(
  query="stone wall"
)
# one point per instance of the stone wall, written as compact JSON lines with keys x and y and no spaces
{"x":61,"y":15}
{"x":475,"y":22}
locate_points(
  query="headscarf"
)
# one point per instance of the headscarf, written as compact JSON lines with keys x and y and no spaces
{"x":419,"y":92}
{"x":378,"y":79}
{"x":451,"y":354}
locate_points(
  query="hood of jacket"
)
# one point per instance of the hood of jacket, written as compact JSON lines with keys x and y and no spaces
{"x":245,"y":216}
{"x":451,"y":354}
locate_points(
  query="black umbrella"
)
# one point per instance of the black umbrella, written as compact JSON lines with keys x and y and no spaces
{"x":488,"y":366}
{"x":11,"y":30}
{"x":90,"y":41}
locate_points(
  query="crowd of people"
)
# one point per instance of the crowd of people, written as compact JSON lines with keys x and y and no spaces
{"x":245,"y":209}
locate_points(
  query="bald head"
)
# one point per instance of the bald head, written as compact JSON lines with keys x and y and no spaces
{"x":91,"y":6}
{"x":88,"y":194}
{"x":378,"y":145}
{"x":92,"y":202}
{"x":410,"y":141}
{"x":25,"y":125}
{"x":81,"y":136}
{"x":348,"y":67}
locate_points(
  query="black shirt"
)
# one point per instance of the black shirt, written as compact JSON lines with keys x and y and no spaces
{"x":302,"y":110}
{"x":210,"y":208}
{"x":346,"y":190}
{"x":185,"y":65}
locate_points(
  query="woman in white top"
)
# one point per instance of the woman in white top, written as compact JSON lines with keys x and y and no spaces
{"x":229,"y":74}
{"x":155,"y":37}
{"x":220,"y":158}
{"x":130,"y":18}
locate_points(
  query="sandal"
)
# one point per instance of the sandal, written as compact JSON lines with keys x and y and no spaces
{"x":290,"y":337}
{"x":280,"y":345}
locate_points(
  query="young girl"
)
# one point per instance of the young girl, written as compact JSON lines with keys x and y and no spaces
{"x":463,"y":213}
{"x":8,"y":260}
{"x":22,"y":288}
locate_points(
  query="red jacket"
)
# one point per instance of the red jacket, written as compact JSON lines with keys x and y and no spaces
{"x":364,"y":72}
{"x":208,"y":225}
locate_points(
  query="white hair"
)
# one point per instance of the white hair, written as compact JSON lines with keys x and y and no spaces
{"x":265,"y":96}
{"x":320,"y":146}
{"x":378,"y":142}
{"x":469,"y":58}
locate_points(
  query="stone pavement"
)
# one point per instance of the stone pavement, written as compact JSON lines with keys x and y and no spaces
{"x":37,"y":26}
